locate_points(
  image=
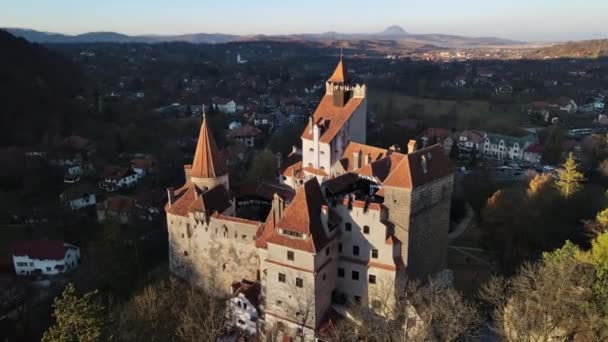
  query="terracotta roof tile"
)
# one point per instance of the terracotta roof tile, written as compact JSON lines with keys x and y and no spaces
{"x":119,"y":203}
{"x":381,"y":169}
{"x":340,"y":74}
{"x":331,"y":117}
{"x":303,"y":216}
{"x":207,"y":162}
{"x":243,"y":132}
{"x":348,"y":159}
{"x":419,"y":167}
{"x":39,"y":249}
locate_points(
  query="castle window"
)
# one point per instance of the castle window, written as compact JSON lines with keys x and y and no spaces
{"x":340,"y":247}
{"x":299,"y":282}
{"x":290,"y":255}
{"x":355,"y":275}
{"x":374,"y":253}
{"x":324,"y":276}
{"x":372,"y":279}
{"x":185,"y":253}
{"x":281,"y":277}
{"x":357,"y":299}
{"x":244,"y":237}
{"x":279,"y":302}
{"x":327,"y":251}
{"x":340,"y":273}
{"x":348,"y":226}
{"x":365,"y":229}
{"x":355,"y":250}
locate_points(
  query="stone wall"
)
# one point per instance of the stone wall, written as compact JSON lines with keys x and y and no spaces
{"x":422,"y":219}
{"x":213,"y":253}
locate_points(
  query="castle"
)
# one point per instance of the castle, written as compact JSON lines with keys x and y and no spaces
{"x":362,"y":219}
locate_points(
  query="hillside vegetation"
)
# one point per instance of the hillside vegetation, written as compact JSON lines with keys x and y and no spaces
{"x":581,"y":49}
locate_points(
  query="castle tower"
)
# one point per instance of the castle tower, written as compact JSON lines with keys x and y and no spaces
{"x":207,"y":169}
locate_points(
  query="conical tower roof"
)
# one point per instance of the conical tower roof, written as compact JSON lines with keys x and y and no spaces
{"x":207,"y":162}
{"x":340,"y":75}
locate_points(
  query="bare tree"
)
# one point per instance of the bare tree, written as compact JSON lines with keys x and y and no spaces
{"x":545,"y":301}
{"x":433,"y":311}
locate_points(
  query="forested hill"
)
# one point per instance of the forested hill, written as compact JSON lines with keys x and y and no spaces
{"x":35,"y":88}
{"x":581,"y":49}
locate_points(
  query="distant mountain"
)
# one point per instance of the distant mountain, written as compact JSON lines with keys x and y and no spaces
{"x":113,"y":37}
{"x":35,"y":91}
{"x":393,"y":33}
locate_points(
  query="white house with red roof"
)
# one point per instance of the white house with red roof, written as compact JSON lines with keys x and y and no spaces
{"x":43,"y":257}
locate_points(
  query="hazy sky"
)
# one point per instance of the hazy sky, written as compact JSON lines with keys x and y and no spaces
{"x":517,"y":19}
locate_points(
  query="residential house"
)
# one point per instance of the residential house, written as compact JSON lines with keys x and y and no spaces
{"x":265,"y":120}
{"x":117,"y":177}
{"x":533,"y":154}
{"x":116,"y":208}
{"x":225,"y":106}
{"x":149,"y":204}
{"x":503,"y":89}
{"x":43,"y":257}
{"x":145,"y":165}
{"x":245,"y":135}
{"x":501,"y":146}
{"x":78,"y":197}
{"x":441,"y":136}
{"x":242,"y":308}
{"x":469,"y":141}
{"x":566,"y":104}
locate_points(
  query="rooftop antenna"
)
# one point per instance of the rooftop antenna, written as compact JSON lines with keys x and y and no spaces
{"x":341,"y":53}
{"x":203,"y":112}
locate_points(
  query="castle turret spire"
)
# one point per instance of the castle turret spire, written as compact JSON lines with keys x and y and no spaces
{"x":340,"y":75}
{"x":207,"y":162}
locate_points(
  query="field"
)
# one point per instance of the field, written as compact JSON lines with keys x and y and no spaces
{"x":470,"y":114}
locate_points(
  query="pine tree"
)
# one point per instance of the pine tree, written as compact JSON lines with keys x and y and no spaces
{"x":77,"y":318}
{"x":568,"y":178}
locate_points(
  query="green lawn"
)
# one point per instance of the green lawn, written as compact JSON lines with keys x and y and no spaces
{"x":474,"y":114}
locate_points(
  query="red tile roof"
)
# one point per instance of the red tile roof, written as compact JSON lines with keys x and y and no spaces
{"x":419,"y":167}
{"x":536,"y":148}
{"x":116,"y":172}
{"x":331,"y":118}
{"x":294,"y":170}
{"x":244,"y":132}
{"x":381,"y":169}
{"x":119,"y":203}
{"x":207,"y":162}
{"x":39,"y":249}
{"x":434,"y":132}
{"x":303,"y":216}
{"x":348,"y":159}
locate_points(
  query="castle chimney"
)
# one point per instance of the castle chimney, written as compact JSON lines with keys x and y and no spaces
{"x":310,"y":124}
{"x":357,"y":159}
{"x":411,"y":146}
{"x":394,"y":148}
{"x":170,"y":196}
{"x":368,"y":158}
{"x":278,"y":205}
